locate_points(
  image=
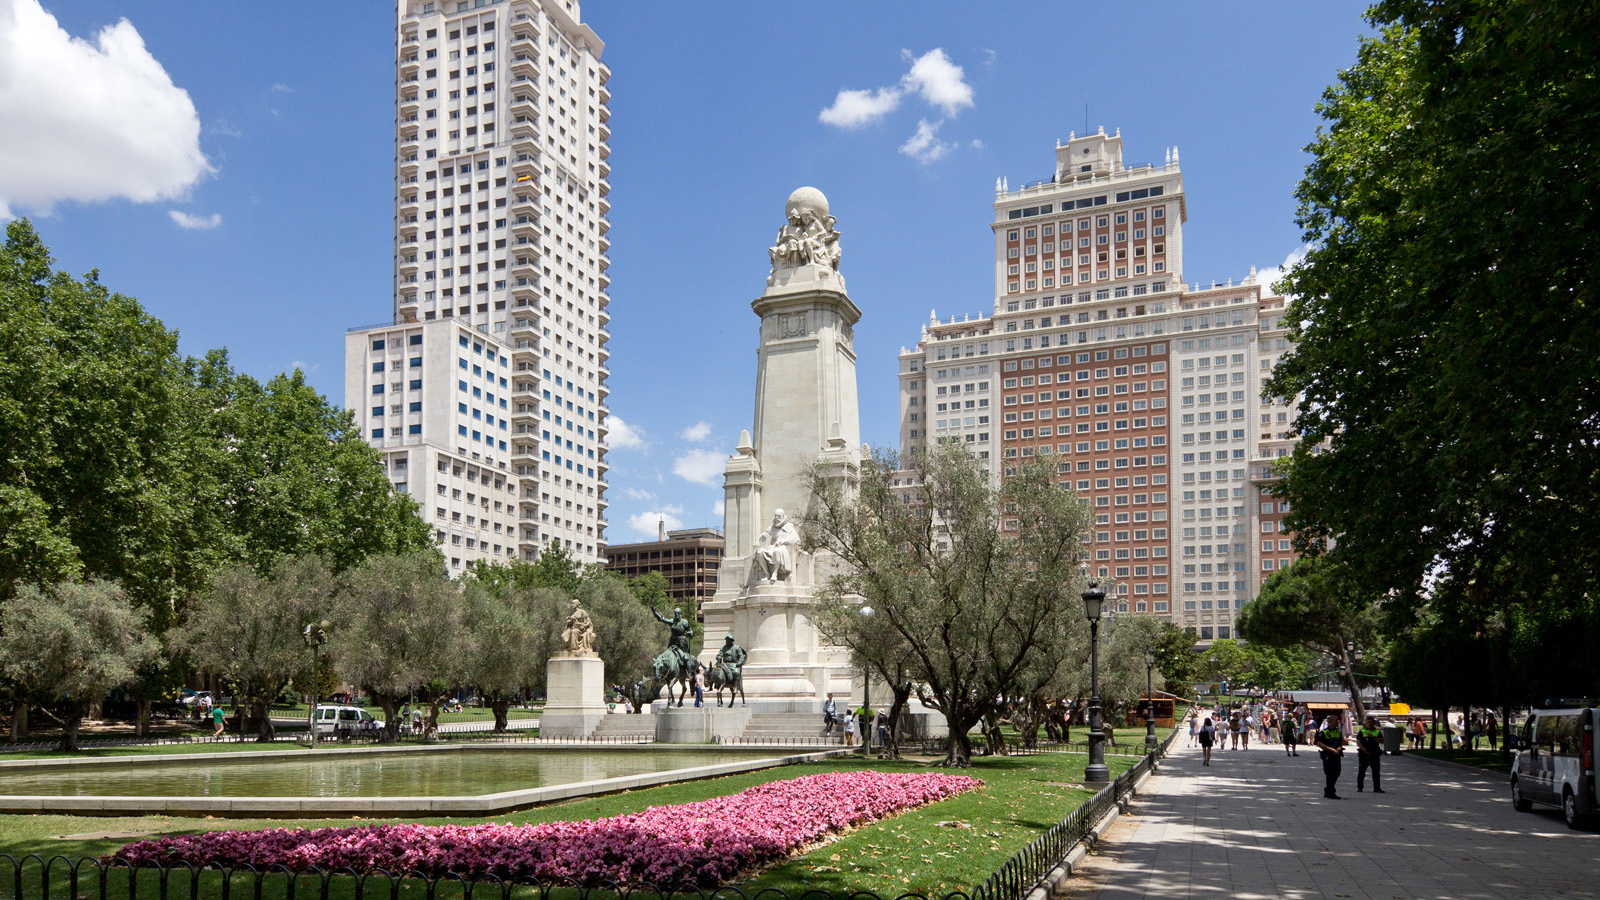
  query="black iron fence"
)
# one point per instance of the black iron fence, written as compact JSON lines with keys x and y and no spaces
{"x":35,"y":877}
{"x":1024,"y":871}
{"x":113,"y":879}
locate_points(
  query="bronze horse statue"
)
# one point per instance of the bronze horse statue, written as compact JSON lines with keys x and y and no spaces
{"x":671,"y":669}
{"x":719,"y":676}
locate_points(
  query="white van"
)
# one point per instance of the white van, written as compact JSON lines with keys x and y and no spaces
{"x":1554,"y":764}
{"x":344,"y":721}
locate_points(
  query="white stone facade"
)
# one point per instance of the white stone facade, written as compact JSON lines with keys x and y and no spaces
{"x":501,"y":112}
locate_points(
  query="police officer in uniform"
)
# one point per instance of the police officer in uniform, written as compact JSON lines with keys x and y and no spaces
{"x":1369,"y":753}
{"x":1330,"y":743}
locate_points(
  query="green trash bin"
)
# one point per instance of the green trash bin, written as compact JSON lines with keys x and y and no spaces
{"x":1394,"y":735}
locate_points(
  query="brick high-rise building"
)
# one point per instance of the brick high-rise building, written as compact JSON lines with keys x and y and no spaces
{"x":486,"y":392}
{"x":1142,"y":390}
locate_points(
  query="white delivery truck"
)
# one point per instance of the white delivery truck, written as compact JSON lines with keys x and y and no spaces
{"x":1554,"y":765}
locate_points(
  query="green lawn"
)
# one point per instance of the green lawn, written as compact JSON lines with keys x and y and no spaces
{"x":1481,"y":758}
{"x":946,"y":846}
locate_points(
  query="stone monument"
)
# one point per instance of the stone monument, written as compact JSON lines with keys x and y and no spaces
{"x":575,"y":693}
{"x":805,"y":414}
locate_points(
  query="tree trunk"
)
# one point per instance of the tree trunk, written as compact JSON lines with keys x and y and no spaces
{"x":502,"y":717}
{"x":1433,"y":731}
{"x":958,"y":753}
{"x":69,"y":729}
{"x":902,"y":697}
{"x":141,"y":724}
{"x":390,"y":704}
{"x":19,"y":721}
{"x":262,"y":709}
{"x":1505,"y":735}
{"x":430,"y":728}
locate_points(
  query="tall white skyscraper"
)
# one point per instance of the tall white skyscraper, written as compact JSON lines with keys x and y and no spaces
{"x":487,"y":391}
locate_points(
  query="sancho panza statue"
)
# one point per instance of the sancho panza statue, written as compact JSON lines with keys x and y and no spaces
{"x":774,"y":557}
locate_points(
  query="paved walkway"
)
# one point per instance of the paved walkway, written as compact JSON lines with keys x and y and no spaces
{"x":1254,"y":825}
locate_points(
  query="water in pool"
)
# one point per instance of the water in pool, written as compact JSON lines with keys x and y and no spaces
{"x":434,"y":774}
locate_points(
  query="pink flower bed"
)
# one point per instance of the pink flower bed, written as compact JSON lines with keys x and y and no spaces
{"x":706,"y":842}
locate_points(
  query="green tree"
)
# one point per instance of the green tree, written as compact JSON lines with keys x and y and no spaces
{"x":249,"y":629}
{"x":398,"y":627}
{"x":1176,"y":657}
{"x":1312,"y":605}
{"x":972,"y":578}
{"x":94,"y":482}
{"x":1226,"y":660}
{"x":293,"y":474}
{"x":70,"y":644}
{"x":1447,"y":338}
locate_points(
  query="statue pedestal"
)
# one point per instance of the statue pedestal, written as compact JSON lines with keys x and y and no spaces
{"x":575,"y":695}
{"x":698,"y":725}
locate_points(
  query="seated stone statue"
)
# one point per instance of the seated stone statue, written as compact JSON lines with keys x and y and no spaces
{"x":578,"y":637}
{"x":774,"y":558}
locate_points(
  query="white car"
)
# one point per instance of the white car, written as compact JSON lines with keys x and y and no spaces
{"x":1554,"y":765}
{"x":344,"y":721}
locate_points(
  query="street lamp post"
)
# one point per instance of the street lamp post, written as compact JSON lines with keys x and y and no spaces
{"x":1149,"y":702}
{"x":1096,"y":772}
{"x":316,"y":634}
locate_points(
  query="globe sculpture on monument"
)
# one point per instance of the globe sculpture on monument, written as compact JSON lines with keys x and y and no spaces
{"x":805,"y":414}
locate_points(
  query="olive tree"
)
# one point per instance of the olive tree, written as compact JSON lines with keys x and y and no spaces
{"x":971,"y":578}
{"x":250,"y":629}
{"x":399,"y":625}
{"x":70,"y":644}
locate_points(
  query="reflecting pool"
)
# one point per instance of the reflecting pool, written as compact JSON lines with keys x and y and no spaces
{"x":430,"y":773}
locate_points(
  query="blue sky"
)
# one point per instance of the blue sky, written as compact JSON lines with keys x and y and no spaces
{"x":231,"y":166}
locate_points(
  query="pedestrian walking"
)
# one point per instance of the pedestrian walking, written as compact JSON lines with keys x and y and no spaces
{"x":1249,"y":725}
{"x":1417,"y":732}
{"x":830,"y":715}
{"x":1291,"y":737}
{"x":1208,"y":736}
{"x":700,"y":686}
{"x":1492,"y":731}
{"x":1194,"y":728}
{"x":1234,"y":727}
{"x":1330,"y":743}
{"x":1274,"y":729}
{"x":849,"y":731}
{"x":1369,"y":754}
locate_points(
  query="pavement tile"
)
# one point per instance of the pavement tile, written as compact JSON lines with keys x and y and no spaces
{"x":1254,"y":825}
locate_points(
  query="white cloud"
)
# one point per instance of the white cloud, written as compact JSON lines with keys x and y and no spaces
{"x":933,"y":77}
{"x":697,"y":432}
{"x":88,"y":122}
{"x":925,"y":146}
{"x":624,"y":436}
{"x":281,"y":88}
{"x":719,"y":509}
{"x":636,"y":494}
{"x":977,"y":144}
{"x":647,"y":522}
{"x":853,"y":109}
{"x":1266,"y":277}
{"x":202,"y":223}
{"x":304,"y":367}
{"x":700,"y":466}
{"x":939,"y":81}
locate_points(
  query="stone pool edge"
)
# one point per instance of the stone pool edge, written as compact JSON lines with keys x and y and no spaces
{"x":380,"y":807}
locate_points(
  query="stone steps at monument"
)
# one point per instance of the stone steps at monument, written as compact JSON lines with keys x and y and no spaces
{"x":619,"y":726}
{"x":789,"y":728}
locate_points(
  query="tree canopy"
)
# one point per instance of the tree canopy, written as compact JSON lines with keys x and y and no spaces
{"x":1447,"y":338}
{"x":970,"y":580}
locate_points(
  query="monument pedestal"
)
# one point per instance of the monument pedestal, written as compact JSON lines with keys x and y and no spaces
{"x":575,"y":695}
{"x":698,"y":725}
